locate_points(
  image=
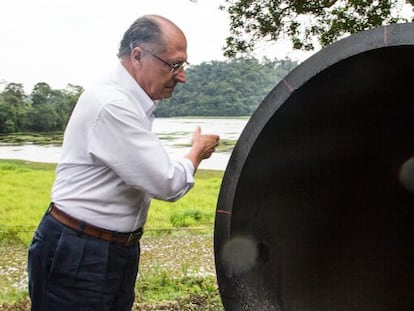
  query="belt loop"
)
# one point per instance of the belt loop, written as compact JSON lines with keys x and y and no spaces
{"x":51,"y":205}
{"x":81,"y":228}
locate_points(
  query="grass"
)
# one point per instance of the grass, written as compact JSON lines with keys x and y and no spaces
{"x":196,"y":209}
{"x":200,"y":292}
{"x":226,"y":145}
{"x":176,"y":268}
{"x":24,"y":195}
{"x":176,"y":273}
{"x":54,"y":138}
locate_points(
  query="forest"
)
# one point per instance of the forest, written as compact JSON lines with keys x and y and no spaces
{"x":218,"y":88}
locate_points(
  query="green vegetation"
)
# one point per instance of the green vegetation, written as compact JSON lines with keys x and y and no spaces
{"x":176,"y":269}
{"x":44,"y":110}
{"x":226,"y":145}
{"x":25,"y":194}
{"x":56,"y":138}
{"x":230,"y":88}
{"x":305,"y":22}
{"x":44,"y":138}
{"x":196,"y":209}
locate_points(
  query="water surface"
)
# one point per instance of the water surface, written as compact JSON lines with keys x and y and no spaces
{"x":175,"y":133}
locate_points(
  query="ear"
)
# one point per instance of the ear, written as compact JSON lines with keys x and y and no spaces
{"x":136,"y":54}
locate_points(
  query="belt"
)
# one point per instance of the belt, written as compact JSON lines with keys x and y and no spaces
{"x":128,"y":239}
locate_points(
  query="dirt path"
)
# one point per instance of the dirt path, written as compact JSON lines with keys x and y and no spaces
{"x":177,"y":254}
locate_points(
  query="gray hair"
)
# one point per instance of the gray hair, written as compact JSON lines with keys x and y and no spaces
{"x":145,"y":31}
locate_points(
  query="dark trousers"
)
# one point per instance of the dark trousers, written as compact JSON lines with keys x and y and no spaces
{"x":69,"y":271}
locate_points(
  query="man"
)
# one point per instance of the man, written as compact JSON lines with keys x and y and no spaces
{"x":85,"y":252}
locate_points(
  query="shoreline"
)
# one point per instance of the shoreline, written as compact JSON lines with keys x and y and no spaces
{"x":51,"y":154}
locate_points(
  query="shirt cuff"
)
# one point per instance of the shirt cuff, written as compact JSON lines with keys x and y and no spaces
{"x":189,"y":169}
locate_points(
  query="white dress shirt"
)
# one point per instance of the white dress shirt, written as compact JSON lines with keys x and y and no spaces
{"x":111,"y":163}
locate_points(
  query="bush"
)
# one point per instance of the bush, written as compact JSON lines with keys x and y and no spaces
{"x":190,"y":217}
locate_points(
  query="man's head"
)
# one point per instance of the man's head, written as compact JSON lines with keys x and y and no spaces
{"x":154,"y":51}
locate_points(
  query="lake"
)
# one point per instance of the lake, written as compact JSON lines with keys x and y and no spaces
{"x":173,"y":132}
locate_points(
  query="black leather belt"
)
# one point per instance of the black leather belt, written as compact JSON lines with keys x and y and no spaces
{"x":128,"y":239}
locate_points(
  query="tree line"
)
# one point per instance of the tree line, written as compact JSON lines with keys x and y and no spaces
{"x":43,"y":110}
{"x":218,"y":88}
{"x":231,"y":88}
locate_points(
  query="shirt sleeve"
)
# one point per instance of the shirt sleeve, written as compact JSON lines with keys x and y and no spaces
{"x":121,"y":138}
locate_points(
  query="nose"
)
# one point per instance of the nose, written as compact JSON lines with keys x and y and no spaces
{"x":181,"y":76}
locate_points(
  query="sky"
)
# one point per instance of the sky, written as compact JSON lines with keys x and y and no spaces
{"x":63,"y":42}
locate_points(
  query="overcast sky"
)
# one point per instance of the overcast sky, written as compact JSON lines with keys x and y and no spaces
{"x":76,"y":41}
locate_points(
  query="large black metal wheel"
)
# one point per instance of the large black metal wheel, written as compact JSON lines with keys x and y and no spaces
{"x":316,"y":208}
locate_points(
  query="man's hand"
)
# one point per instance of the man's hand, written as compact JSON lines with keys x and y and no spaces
{"x":202,"y":146}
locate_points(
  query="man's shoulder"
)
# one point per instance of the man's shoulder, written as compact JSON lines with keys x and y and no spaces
{"x":105,"y":93}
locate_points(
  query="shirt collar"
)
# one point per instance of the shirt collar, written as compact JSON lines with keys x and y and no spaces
{"x":136,"y":90}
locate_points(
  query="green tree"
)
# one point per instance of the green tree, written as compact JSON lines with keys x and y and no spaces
{"x":65,"y":102}
{"x":15,"y":90}
{"x":51,"y":108}
{"x":44,"y":118}
{"x":252,"y":21}
{"x":7,"y":118}
{"x":13,"y":108}
{"x":46,"y":109}
{"x":41,"y":94}
{"x":232,"y":88}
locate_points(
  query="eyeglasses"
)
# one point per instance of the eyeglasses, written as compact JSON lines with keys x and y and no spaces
{"x":174,"y":68}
